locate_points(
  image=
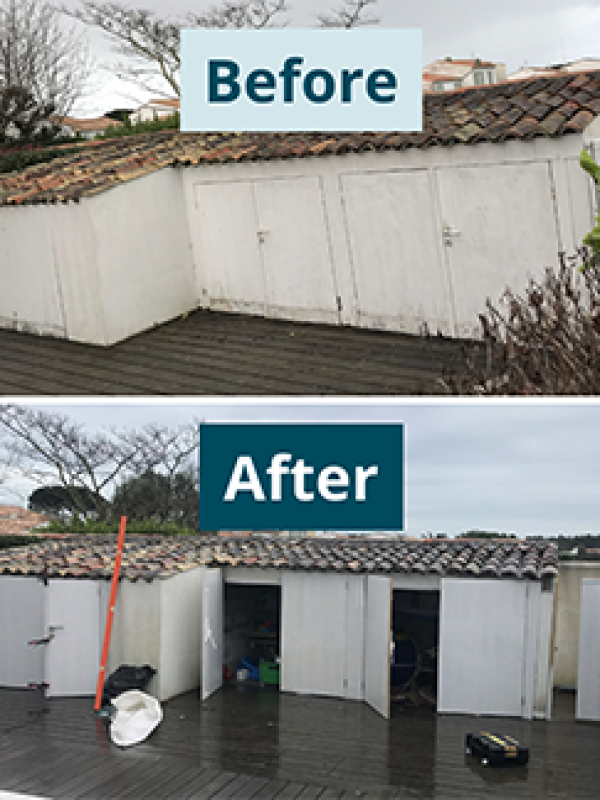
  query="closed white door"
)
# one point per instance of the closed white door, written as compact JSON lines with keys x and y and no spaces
{"x":499,"y":229}
{"x":378,"y":627}
{"x":212,"y":632}
{"x":22,"y":619}
{"x":227,"y":249}
{"x":399,"y":273}
{"x":73,"y":620}
{"x":588,"y":677}
{"x":295,"y":250}
{"x":482,"y":656}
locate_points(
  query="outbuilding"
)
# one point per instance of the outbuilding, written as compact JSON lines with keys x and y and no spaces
{"x":398,"y":231}
{"x":470,"y":621}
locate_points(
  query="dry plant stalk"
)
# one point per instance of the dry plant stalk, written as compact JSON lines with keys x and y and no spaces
{"x":546,"y":342}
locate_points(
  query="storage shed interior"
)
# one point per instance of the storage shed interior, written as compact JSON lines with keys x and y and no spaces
{"x":252,"y":630}
{"x":414,"y":667}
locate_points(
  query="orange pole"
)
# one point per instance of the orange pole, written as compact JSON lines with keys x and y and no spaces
{"x":110,"y":614}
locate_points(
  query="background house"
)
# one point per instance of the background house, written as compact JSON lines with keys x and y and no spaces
{"x":478,"y":615}
{"x":15,"y":521}
{"x":87,"y":128}
{"x":448,"y":74}
{"x":579,"y":65}
{"x":155,"y":109}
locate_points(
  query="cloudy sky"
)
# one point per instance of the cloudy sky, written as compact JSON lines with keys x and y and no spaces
{"x":517,"y":468}
{"x":516,"y":32}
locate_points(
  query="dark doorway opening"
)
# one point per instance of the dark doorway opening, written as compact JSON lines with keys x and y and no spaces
{"x":415,"y":646}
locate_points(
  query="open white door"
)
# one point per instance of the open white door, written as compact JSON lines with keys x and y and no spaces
{"x":73,"y":620}
{"x":212,"y":632}
{"x":378,"y":626}
{"x":588,"y":686}
{"x":483,"y":663}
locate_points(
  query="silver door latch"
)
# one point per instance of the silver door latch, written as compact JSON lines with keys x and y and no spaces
{"x":449,"y":233}
{"x":262,"y":235}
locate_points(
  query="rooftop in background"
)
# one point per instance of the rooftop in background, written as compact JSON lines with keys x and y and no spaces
{"x":520,"y":110}
{"x":580,"y":65}
{"x":148,"y":558}
{"x":210,"y":354}
{"x":17,"y":521}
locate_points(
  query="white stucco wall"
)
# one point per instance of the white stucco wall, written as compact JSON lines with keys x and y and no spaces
{"x":100,"y":270}
{"x":354,"y":239}
{"x":180,"y":626}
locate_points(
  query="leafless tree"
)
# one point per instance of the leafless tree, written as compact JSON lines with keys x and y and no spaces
{"x":51,"y":448}
{"x":350,"y":14}
{"x":150,"y":44}
{"x":545,"y":342}
{"x":43,"y":67}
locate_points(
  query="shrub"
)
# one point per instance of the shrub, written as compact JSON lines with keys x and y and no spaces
{"x":546,"y":342}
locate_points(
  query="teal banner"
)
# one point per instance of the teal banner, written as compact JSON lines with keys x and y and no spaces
{"x":281,"y":476}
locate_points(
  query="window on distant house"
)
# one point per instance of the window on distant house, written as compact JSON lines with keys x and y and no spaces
{"x":490,"y":76}
{"x":458,"y":85}
{"x":479,"y":77}
{"x":438,"y":87}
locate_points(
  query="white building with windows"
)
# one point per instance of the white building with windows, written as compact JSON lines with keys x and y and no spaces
{"x":448,"y":74}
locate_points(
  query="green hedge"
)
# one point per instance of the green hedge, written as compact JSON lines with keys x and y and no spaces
{"x":146,"y":526}
{"x":20,"y":159}
{"x":129,"y":129}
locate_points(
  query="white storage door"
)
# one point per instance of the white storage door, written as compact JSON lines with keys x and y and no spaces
{"x":212,"y":632}
{"x":378,"y":626}
{"x":482,"y":659}
{"x":73,"y":655}
{"x":225,"y":237}
{"x":313,"y":633}
{"x":588,"y":680}
{"x":401,"y":280}
{"x":294,"y":241}
{"x":503,"y":230}
{"x":22,"y":619}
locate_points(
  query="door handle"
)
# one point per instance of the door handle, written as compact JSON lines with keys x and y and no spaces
{"x":262,"y":235}
{"x":449,"y":233}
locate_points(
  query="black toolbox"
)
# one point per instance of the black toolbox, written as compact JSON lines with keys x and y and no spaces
{"x":496,"y":749}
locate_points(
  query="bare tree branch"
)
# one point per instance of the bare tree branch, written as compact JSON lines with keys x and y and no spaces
{"x":43,"y":68}
{"x":150,"y":44}
{"x":350,"y":14}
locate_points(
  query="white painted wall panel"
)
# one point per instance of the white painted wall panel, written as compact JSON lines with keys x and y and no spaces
{"x":73,"y":656}
{"x":22,"y":618}
{"x":136,"y":628}
{"x":144,"y":256}
{"x":294,"y":243}
{"x":395,"y":239}
{"x":355,"y":637}
{"x":181,"y":625}
{"x":313,"y":633}
{"x":505,"y":217}
{"x":588,"y":686}
{"x":566,"y":656}
{"x":211,"y":645}
{"x":482,"y":646}
{"x":224,"y":228}
{"x":378,"y":626}
{"x":30,"y":296}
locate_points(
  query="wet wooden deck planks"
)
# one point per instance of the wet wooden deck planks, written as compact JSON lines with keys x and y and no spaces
{"x":221,"y":354}
{"x":247,"y":743}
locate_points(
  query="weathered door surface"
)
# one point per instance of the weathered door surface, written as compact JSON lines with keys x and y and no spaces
{"x":263,"y":247}
{"x":73,"y":655}
{"x":588,"y":682}
{"x":400,"y":278}
{"x":378,"y":626}
{"x":313,"y":627}
{"x":22,"y":619}
{"x":212,"y":632}
{"x":482,"y":665}
{"x":499,"y":228}
{"x":227,"y":253}
{"x":294,"y":243}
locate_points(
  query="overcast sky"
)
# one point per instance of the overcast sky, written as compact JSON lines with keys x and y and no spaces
{"x":513,"y":31}
{"x":517,"y":468}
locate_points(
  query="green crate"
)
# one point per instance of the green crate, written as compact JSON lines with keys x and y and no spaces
{"x":268,"y":672}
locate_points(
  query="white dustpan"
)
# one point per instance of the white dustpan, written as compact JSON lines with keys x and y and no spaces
{"x":137,"y":716}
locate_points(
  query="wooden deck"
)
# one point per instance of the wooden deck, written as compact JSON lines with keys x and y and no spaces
{"x":226,"y":354}
{"x":248,"y":743}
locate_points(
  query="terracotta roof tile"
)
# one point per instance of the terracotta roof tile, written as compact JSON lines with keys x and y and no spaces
{"x":540,"y":106}
{"x":155,"y":557}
